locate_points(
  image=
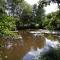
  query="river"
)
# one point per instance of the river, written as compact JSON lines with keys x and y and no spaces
{"x":28,"y":45}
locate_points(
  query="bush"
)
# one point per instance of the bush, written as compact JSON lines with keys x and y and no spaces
{"x":52,"y":21}
{"x":7,"y":24}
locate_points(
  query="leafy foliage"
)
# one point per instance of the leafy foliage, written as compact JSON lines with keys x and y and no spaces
{"x":26,"y":13}
{"x":38,"y":14}
{"x":28,"y":16}
{"x":52,"y":21}
{"x":6,"y":24}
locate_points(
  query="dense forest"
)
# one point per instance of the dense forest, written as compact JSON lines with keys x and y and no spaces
{"x":18,"y":14}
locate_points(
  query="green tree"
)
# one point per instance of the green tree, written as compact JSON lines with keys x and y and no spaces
{"x":52,"y":21}
{"x":40,"y":14}
{"x":34,"y":11}
{"x":2,"y":7}
{"x":11,"y":5}
{"x":7,"y":24}
{"x":25,"y":14}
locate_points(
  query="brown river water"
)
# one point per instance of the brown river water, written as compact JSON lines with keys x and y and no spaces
{"x":16,"y":49}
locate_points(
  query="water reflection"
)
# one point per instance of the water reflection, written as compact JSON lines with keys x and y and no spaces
{"x":34,"y":54}
{"x":27,"y":46}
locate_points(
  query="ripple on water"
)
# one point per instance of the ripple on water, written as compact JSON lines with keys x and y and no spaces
{"x":32,"y":54}
{"x":22,"y":46}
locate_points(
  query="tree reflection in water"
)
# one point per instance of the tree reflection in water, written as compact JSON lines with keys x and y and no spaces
{"x":35,"y":54}
{"x":27,"y":46}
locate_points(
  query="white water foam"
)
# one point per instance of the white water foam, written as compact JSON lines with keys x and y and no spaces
{"x":34,"y":54}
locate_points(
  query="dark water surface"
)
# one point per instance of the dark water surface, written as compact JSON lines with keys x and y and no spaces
{"x":17,"y":49}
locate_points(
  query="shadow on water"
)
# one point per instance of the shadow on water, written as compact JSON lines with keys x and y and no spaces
{"x":27,"y":45}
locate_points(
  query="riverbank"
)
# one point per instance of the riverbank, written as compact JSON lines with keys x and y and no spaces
{"x":33,"y":31}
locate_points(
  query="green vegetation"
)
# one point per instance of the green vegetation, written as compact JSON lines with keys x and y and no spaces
{"x":7,"y":24}
{"x":38,"y":14}
{"x":52,"y":54}
{"x":18,"y":14}
{"x":21,"y":14}
{"x":52,"y":21}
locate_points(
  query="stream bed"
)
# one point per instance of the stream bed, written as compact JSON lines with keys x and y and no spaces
{"x":28,"y":46}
